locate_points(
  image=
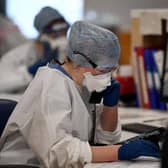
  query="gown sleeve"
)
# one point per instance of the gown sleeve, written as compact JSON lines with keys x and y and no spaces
{"x":48,"y":132}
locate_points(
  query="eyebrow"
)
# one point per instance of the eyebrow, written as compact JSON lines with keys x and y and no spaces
{"x":94,"y":65}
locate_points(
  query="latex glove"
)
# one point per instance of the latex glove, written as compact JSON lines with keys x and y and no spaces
{"x":111,"y":94}
{"x":136,"y":148}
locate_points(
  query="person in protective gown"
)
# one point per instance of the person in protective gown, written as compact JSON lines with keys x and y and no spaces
{"x":52,"y":125}
{"x":19,"y":65}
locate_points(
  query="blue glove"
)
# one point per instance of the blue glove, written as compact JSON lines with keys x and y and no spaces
{"x":136,"y":148}
{"x":111,"y":94}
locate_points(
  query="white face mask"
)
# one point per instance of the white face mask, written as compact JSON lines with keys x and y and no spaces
{"x":54,"y":42}
{"x":96,"y":82}
{"x":59,"y":42}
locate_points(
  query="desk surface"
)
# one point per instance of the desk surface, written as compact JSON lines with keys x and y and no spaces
{"x":151,"y":117}
{"x":141,"y":163}
{"x":11,"y":96}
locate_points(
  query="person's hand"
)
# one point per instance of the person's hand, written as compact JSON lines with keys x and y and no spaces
{"x":111,"y":94}
{"x":137,"y":148}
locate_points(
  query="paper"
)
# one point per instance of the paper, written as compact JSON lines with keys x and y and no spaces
{"x":158,"y":56}
{"x":144,"y":163}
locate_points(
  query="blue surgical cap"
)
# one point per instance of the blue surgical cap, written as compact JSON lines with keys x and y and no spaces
{"x":46,"y":16}
{"x":100,"y":45}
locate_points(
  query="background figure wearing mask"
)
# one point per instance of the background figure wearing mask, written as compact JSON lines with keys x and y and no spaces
{"x":18,"y":66}
{"x":53,"y":123}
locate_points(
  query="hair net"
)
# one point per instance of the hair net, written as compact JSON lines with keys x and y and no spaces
{"x":45,"y":17}
{"x":97,"y":44}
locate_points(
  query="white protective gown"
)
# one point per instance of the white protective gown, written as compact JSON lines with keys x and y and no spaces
{"x":13,"y":67}
{"x":51,"y":125}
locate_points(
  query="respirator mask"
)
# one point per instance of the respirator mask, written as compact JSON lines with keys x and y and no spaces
{"x":96,"y":82}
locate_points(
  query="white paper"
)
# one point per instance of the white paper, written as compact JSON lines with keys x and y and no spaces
{"x":158,"y":57}
{"x":141,"y":163}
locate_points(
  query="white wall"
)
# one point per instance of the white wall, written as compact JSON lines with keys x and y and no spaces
{"x":72,"y":10}
{"x":118,"y":11}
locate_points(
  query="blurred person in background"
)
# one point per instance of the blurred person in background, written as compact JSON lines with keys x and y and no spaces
{"x":10,"y":35}
{"x":54,"y":125}
{"x":18,"y":66}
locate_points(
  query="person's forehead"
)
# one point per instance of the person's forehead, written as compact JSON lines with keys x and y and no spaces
{"x":58,"y":21}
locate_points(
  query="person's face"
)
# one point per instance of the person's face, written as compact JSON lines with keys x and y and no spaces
{"x":80,"y":71}
{"x":56,"y":34}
